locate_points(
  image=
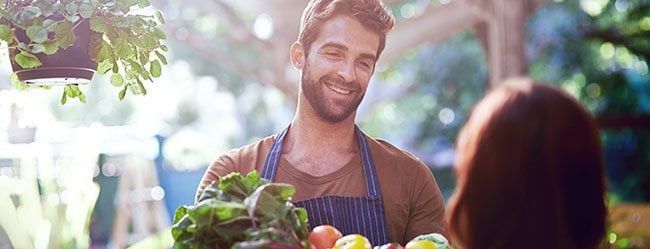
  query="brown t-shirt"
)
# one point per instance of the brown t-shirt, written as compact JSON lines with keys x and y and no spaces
{"x":412,"y":200}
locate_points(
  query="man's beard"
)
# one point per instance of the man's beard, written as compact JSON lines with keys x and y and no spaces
{"x":314,"y":92}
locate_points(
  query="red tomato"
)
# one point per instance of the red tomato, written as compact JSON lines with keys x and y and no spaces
{"x":324,"y":236}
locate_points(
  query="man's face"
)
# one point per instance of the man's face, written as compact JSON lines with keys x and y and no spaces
{"x":338,"y":68}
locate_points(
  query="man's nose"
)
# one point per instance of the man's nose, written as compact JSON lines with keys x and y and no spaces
{"x":347,"y":71}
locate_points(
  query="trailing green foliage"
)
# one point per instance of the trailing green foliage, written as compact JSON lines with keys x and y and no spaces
{"x":242,"y":212}
{"x":123,"y":43}
{"x":602,"y":59}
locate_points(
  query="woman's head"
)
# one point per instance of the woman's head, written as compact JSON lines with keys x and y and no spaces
{"x":530,"y":170}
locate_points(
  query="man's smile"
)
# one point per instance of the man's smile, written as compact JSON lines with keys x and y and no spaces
{"x":338,"y":89}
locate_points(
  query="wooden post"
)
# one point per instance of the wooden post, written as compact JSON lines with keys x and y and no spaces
{"x":502,"y":32}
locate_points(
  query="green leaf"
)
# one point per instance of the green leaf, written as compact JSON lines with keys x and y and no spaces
{"x":148,"y":41}
{"x":135,"y":66}
{"x":95,"y":49}
{"x":162,"y":58}
{"x":180,"y":212}
{"x":159,"y":33}
{"x":64,"y":34}
{"x":50,"y":48}
{"x":222,"y":210}
{"x":104,"y":66}
{"x":71,"y":8}
{"x":117,"y":80}
{"x":155,"y":69}
{"x":72,"y":91}
{"x":38,"y":48}
{"x":64,"y":97}
{"x":98,"y":25}
{"x":115,"y":67}
{"x":27,"y":60}
{"x":144,"y":57}
{"x":134,"y":88}
{"x":27,"y":15}
{"x":301,"y":215}
{"x":37,"y":33}
{"x":85,"y":10}
{"x":48,"y":7}
{"x":106,"y":53}
{"x":131,"y":73}
{"x":164,"y":48}
{"x":140,"y":87}
{"x":122,"y":48}
{"x":125,"y":5}
{"x":268,"y":201}
{"x":254,"y":180}
{"x":72,"y":18}
{"x":122,"y":93}
{"x":49,"y":24}
{"x":23,"y":46}
{"x":5,"y":33}
{"x":235,"y":187}
{"x":143,"y":3}
{"x":100,"y":50}
{"x":16,"y":83}
{"x":160,"y":18}
{"x":82,"y":97}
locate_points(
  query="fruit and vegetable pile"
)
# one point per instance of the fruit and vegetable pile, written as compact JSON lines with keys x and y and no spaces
{"x":326,"y":237}
{"x":250,"y":212}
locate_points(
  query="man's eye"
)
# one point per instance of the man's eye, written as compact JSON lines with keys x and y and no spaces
{"x":332,"y":54}
{"x":365,"y":65}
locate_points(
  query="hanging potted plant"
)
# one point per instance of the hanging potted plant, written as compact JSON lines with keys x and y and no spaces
{"x":64,"y":42}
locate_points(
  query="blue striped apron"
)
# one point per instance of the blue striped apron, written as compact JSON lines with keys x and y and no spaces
{"x":363,"y":215}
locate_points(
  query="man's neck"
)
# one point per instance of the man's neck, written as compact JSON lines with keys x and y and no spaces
{"x":312,"y":143}
{"x":320,"y":134}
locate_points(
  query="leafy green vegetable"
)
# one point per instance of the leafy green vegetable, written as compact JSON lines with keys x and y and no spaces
{"x":242,"y":212}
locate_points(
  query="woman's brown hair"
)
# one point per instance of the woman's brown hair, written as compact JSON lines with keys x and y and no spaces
{"x":530,"y":172}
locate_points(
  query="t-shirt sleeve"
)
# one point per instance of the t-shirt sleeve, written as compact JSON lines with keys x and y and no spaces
{"x":427,"y":212}
{"x":222,"y":166}
{"x":243,"y":160}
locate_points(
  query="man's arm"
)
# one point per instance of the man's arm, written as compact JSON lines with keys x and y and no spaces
{"x":243,"y":160}
{"x":427,"y":210}
{"x":220,"y":167}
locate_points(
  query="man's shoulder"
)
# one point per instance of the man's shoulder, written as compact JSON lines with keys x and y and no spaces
{"x":388,"y":152}
{"x":253,"y":148}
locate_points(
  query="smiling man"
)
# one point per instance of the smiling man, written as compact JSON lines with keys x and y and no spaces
{"x":343,"y":177}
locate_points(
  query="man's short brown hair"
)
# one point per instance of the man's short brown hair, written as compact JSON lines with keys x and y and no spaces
{"x":372,"y":14}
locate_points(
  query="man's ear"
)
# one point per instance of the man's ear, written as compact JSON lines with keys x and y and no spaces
{"x":297,"y":55}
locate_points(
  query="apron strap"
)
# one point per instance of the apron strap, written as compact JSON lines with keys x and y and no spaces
{"x":370,"y":173}
{"x":273,"y":157}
